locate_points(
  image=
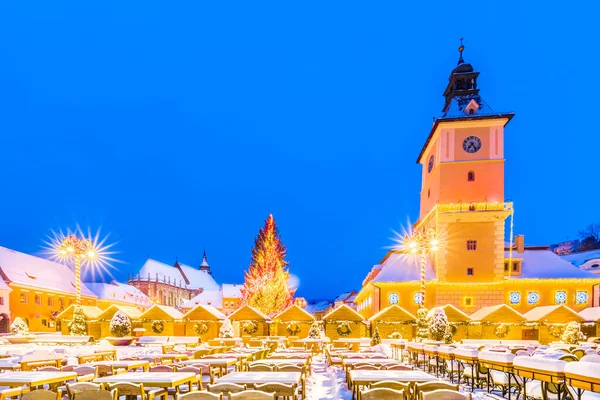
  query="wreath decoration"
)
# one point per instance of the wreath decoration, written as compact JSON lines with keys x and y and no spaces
{"x":556,"y":330}
{"x":200,"y":329}
{"x":157,"y":326}
{"x":453,"y":330}
{"x":249,"y":327}
{"x":292,"y":328}
{"x":502,"y":330}
{"x":343,"y":328}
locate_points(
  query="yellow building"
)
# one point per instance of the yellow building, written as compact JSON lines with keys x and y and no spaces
{"x":462,"y":201}
{"x":41,"y":289}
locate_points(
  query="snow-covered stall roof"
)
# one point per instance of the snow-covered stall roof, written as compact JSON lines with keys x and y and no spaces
{"x":197,"y":279}
{"x":232,"y":290}
{"x":343,"y":312}
{"x":294,"y":313}
{"x":90,"y":312}
{"x":110,"y":312}
{"x":453,"y":313}
{"x":578,"y":259}
{"x":208,"y":298}
{"x":590,"y":314}
{"x":400,"y":267}
{"x":247,"y":312}
{"x":161,"y":312}
{"x":119,"y":292}
{"x":204,"y":312}
{"x":499,"y":313}
{"x":393,"y":313}
{"x":321,"y":306}
{"x":545,"y":264}
{"x":343,"y":296}
{"x":28,"y":270}
{"x":552,"y":314}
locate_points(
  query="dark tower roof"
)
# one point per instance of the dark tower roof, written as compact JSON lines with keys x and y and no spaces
{"x":204,"y":264}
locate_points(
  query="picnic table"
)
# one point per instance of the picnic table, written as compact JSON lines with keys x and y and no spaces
{"x":222,"y":363}
{"x":350,"y":354}
{"x":125,"y":364}
{"x":364,"y":378}
{"x":257,"y":378}
{"x":546,"y":370}
{"x":163,"y":380}
{"x":173,"y":357}
{"x":290,"y":355}
{"x":497,"y":361}
{"x":35,"y":378}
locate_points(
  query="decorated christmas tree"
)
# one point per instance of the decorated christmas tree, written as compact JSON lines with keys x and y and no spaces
{"x":315,"y":331}
{"x":78,"y":326}
{"x":19,"y":327}
{"x":376,"y":339}
{"x":266,"y":281}
{"x":572,"y":333}
{"x":120,"y":325}
{"x":438,"y":324}
{"x":226,"y":330}
{"x":422,"y":326}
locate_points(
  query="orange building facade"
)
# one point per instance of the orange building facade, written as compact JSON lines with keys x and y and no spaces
{"x":462,"y":200}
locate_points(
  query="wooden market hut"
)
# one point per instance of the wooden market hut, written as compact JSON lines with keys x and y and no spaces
{"x":591,"y":316}
{"x":249,"y":321}
{"x":457,"y":319}
{"x":203,"y":317}
{"x":168,"y":317}
{"x":294,"y":315}
{"x":344,"y":314}
{"x":90,"y":313}
{"x":393,"y":319}
{"x":485,"y":321}
{"x":107,"y":315}
{"x":551,"y":320}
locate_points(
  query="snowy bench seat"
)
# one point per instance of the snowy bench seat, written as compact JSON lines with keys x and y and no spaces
{"x":182,"y":340}
{"x":152,"y":340}
{"x":62,"y":339}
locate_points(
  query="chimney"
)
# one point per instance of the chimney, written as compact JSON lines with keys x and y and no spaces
{"x":520,"y":243}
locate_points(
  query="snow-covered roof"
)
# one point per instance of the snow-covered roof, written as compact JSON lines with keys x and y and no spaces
{"x":541,"y":312}
{"x":232,"y":290}
{"x":207,"y":298}
{"x":162,"y":311}
{"x":578,"y":259}
{"x":197,"y":279}
{"x":546,"y":264}
{"x":321,"y":306}
{"x":119,"y":292}
{"x":4,"y":286}
{"x":351,"y":298}
{"x":28,"y":270}
{"x":210,"y":309}
{"x":342,"y":296}
{"x":484,"y":312}
{"x":590,"y":314}
{"x":400,"y":267}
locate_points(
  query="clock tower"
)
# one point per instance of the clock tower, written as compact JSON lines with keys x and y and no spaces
{"x":462,"y":186}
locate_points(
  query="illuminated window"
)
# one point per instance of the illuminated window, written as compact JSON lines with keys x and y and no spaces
{"x":471,"y":176}
{"x":50,"y":301}
{"x":470,"y":271}
{"x":505,"y":267}
{"x":38,"y":300}
{"x":533,"y":297}
{"x":393,"y":298}
{"x":1,"y":301}
{"x":560,"y":297}
{"x":514,"y":297}
{"x":468,"y":301}
{"x":581,"y":297}
{"x":61,"y":303}
{"x":23,"y":298}
{"x":516,"y":267}
{"x":418,"y":298}
{"x":471,"y":245}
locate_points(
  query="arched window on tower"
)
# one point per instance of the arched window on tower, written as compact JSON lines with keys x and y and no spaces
{"x":471,"y":176}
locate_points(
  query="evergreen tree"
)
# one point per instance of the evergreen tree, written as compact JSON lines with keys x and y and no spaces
{"x":315,"y":331}
{"x":78,"y":326}
{"x":422,"y":326}
{"x":266,"y":281}
{"x":572,"y":333}
{"x":226,"y":330}
{"x":19,"y":327}
{"x":376,"y":339}
{"x":438,"y":325}
{"x":120,"y":325}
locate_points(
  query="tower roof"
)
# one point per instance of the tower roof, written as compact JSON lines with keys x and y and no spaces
{"x":204,"y":260}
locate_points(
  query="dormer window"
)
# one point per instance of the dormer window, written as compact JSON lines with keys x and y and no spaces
{"x":471,"y":108}
{"x":471,"y":176}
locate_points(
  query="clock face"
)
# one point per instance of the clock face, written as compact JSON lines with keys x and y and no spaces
{"x":393,"y":298}
{"x":430,"y":165}
{"x":560,"y":297}
{"x":471,"y":144}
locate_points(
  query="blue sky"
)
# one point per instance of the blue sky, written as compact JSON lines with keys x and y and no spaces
{"x":174,"y":125}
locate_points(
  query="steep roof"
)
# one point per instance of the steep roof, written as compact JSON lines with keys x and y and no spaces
{"x":400,"y":267}
{"x":232,"y":290}
{"x":499,"y":313}
{"x":294,"y":313}
{"x":552,"y":314}
{"x":203,"y":312}
{"x":393,"y":313}
{"x":453,"y":313}
{"x":119,"y":292}
{"x":161,"y":312}
{"x":321,"y":306}
{"x":343,"y":296}
{"x":212,"y":298}
{"x":110,"y":312}
{"x":90,"y":312}
{"x":590,"y":314}
{"x":36,"y":272}
{"x":578,"y":259}
{"x":246,"y":312}
{"x":193,"y":277}
{"x":539,"y":264}
{"x":343,"y":312}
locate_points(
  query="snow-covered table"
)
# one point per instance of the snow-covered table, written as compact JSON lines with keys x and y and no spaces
{"x":363,"y":378}
{"x":352,"y":354}
{"x":582,"y":376}
{"x":222,"y":363}
{"x":290,"y":355}
{"x":163,"y":380}
{"x":38,"y":378}
{"x":499,"y":361}
{"x":544,"y":369}
{"x":124,"y":364}
{"x":469,"y":356}
{"x":257,"y":378}
{"x":431,"y":351}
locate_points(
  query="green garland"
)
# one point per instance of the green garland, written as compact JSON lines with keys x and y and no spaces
{"x":396,"y":322}
{"x":249,"y":327}
{"x":200,"y":329}
{"x":158,"y":326}
{"x":293,"y":328}
{"x":343,"y":328}
{"x":502,"y":330}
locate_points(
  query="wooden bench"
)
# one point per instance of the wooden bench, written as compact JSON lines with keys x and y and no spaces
{"x":33,"y":365}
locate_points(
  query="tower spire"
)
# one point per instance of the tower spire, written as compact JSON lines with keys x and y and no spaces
{"x":204,"y":265}
{"x":461,"y":48}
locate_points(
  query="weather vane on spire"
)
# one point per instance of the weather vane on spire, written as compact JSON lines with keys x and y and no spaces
{"x":461,"y":48}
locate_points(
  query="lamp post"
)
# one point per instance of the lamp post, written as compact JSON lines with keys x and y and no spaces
{"x":422,"y":242}
{"x":77,"y":249}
